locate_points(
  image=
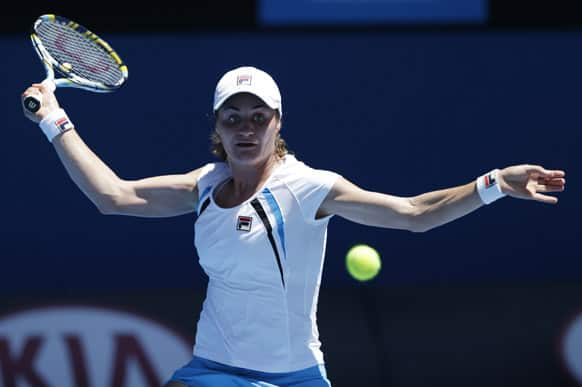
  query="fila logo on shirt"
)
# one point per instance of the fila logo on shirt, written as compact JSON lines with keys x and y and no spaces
{"x":244,"y":223}
{"x":244,"y":79}
{"x":490,"y":180}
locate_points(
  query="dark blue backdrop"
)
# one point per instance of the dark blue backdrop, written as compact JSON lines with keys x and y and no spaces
{"x":342,"y":12}
{"x":401,"y":113}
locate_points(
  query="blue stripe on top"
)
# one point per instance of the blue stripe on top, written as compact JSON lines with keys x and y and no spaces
{"x":202,"y":197}
{"x":278,"y":217}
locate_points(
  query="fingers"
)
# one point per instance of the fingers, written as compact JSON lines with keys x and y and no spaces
{"x":553,"y":174}
{"x":553,"y":182}
{"x":542,"y":172}
{"x":533,"y":182}
{"x":547,"y":185}
{"x":538,"y":192}
{"x":549,"y":188}
{"x":39,"y":89}
{"x":43,"y":92}
{"x":33,"y":90}
{"x":545,"y":198}
{"x":48,"y":85}
{"x":553,"y":179}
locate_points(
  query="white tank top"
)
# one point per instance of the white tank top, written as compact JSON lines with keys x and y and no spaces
{"x":261,"y":301}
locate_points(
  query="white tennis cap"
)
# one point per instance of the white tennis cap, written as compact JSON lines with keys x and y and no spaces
{"x":248,"y":79}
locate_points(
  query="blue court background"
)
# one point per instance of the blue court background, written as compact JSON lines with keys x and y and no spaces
{"x":481,"y":301}
{"x":310,"y":12}
{"x":400,"y":113}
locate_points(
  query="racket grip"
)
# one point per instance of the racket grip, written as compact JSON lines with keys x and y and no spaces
{"x":31,"y":104}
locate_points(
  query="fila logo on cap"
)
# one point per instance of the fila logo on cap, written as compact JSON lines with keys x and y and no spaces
{"x":244,"y":223}
{"x":244,"y":79}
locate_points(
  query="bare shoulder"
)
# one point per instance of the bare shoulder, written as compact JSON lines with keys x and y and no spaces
{"x":187,"y":181}
{"x":343,"y":187}
{"x":342,"y":190}
{"x":363,"y":206}
{"x":194,"y":175}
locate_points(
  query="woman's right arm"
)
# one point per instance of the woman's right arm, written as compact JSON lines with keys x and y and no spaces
{"x":160,"y":196}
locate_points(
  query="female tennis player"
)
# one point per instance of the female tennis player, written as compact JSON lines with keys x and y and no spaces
{"x":260,"y":231}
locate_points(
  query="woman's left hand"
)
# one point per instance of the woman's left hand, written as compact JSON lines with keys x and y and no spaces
{"x":531,"y":182}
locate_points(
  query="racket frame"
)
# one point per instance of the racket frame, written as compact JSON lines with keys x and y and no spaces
{"x":70,"y":79}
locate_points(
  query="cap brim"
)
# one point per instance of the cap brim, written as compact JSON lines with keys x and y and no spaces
{"x":268,"y":101}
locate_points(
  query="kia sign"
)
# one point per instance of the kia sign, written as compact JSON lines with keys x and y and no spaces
{"x":82,"y":346}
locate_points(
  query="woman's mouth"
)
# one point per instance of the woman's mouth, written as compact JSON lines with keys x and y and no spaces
{"x":245,"y":144}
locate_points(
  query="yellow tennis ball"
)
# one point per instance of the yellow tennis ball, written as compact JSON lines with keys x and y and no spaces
{"x":363,"y":262}
{"x":67,"y":66}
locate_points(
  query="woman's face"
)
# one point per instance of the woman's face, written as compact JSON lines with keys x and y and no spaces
{"x":247,"y":128}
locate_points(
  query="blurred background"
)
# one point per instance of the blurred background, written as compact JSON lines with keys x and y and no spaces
{"x":401,"y":97}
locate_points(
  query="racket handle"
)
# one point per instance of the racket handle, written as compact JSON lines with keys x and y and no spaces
{"x":31,"y":104}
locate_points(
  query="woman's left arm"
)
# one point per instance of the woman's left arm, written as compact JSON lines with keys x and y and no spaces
{"x":432,"y":209}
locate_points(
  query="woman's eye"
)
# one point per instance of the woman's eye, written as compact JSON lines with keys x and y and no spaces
{"x":232,"y":120}
{"x":259,"y":119}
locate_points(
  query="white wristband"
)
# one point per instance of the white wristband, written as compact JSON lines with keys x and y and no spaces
{"x":488,"y":187}
{"x":55,"y":123}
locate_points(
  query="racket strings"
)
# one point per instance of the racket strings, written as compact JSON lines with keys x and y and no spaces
{"x":79,"y":53}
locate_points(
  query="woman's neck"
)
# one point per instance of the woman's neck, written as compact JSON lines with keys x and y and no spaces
{"x":246,"y":179}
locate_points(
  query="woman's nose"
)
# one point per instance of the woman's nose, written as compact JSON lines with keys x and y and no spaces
{"x":246,"y":127}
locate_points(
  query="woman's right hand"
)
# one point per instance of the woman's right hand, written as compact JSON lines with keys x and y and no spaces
{"x":43,"y":93}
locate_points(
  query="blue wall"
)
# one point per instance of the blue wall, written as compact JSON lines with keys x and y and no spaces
{"x":401,"y":113}
{"x":313,"y":12}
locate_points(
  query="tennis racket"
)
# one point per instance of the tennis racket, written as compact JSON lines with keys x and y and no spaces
{"x":82,"y":59}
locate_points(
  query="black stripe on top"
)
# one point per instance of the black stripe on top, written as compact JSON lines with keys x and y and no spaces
{"x":204,"y":205}
{"x":261,"y":212}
